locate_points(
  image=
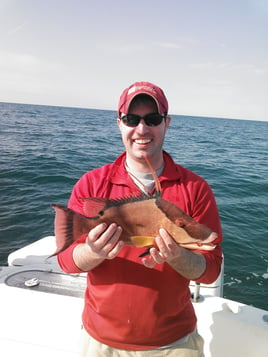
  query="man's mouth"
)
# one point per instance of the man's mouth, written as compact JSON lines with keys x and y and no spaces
{"x":142,"y":141}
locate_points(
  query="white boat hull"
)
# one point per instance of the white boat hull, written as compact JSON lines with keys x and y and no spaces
{"x":45,"y":320}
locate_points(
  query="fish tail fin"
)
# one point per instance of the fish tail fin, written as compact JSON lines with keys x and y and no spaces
{"x":67,"y":227}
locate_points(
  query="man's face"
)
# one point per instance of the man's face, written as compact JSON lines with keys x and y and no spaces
{"x":144,"y":140}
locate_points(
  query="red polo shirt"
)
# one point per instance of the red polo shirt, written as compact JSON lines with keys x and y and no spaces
{"x":127,"y":305}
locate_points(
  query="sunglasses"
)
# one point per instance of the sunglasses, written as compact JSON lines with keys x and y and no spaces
{"x":151,"y":119}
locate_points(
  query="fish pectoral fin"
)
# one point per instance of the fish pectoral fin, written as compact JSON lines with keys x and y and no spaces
{"x":94,"y":206}
{"x":142,"y":241}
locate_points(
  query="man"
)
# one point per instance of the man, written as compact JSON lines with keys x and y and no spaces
{"x":141,"y":306}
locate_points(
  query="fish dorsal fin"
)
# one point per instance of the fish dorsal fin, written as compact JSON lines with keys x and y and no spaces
{"x":94,"y":206}
{"x":156,"y":179}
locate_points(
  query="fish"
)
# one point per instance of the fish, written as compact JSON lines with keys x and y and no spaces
{"x":140,"y":217}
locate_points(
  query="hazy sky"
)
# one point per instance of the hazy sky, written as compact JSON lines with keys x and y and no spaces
{"x":209,"y":56}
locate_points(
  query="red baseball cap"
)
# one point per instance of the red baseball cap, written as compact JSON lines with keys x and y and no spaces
{"x":142,"y":88}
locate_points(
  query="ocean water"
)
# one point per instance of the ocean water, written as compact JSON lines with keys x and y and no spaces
{"x":44,"y":150}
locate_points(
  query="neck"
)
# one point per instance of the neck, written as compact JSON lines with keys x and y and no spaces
{"x":140,"y":165}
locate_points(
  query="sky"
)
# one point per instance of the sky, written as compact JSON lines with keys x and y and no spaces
{"x":209,"y":56}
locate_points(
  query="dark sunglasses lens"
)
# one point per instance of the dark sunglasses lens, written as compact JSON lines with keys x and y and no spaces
{"x":131,"y":120}
{"x":153,"y":119}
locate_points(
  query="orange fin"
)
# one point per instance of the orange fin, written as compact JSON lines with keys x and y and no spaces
{"x":156,"y":179}
{"x":142,"y":241}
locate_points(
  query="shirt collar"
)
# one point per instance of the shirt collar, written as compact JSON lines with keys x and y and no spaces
{"x":120,"y":176}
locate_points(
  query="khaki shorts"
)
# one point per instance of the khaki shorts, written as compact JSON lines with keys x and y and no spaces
{"x":193,"y":347}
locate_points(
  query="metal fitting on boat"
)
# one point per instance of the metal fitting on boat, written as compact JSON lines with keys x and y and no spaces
{"x":196,"y":294}
{"x":32,"y":282}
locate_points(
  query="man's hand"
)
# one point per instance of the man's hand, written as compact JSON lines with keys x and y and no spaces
{"x":101,"y":243}
{"x":167,"y":249}
{"x":189,"y":264}
{"x":104,"y":242}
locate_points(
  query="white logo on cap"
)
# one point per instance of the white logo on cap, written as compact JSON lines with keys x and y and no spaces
{"x":137,"y":88}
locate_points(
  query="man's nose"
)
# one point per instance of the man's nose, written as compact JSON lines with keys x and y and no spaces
{"x":142,"y":127}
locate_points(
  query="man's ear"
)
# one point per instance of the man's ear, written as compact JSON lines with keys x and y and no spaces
{"x":168,"y":120}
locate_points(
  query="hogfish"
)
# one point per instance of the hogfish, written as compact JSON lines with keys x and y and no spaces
{"x":140,"y":217}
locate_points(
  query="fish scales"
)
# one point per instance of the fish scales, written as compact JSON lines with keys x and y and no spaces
{"x":139,"y":217}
